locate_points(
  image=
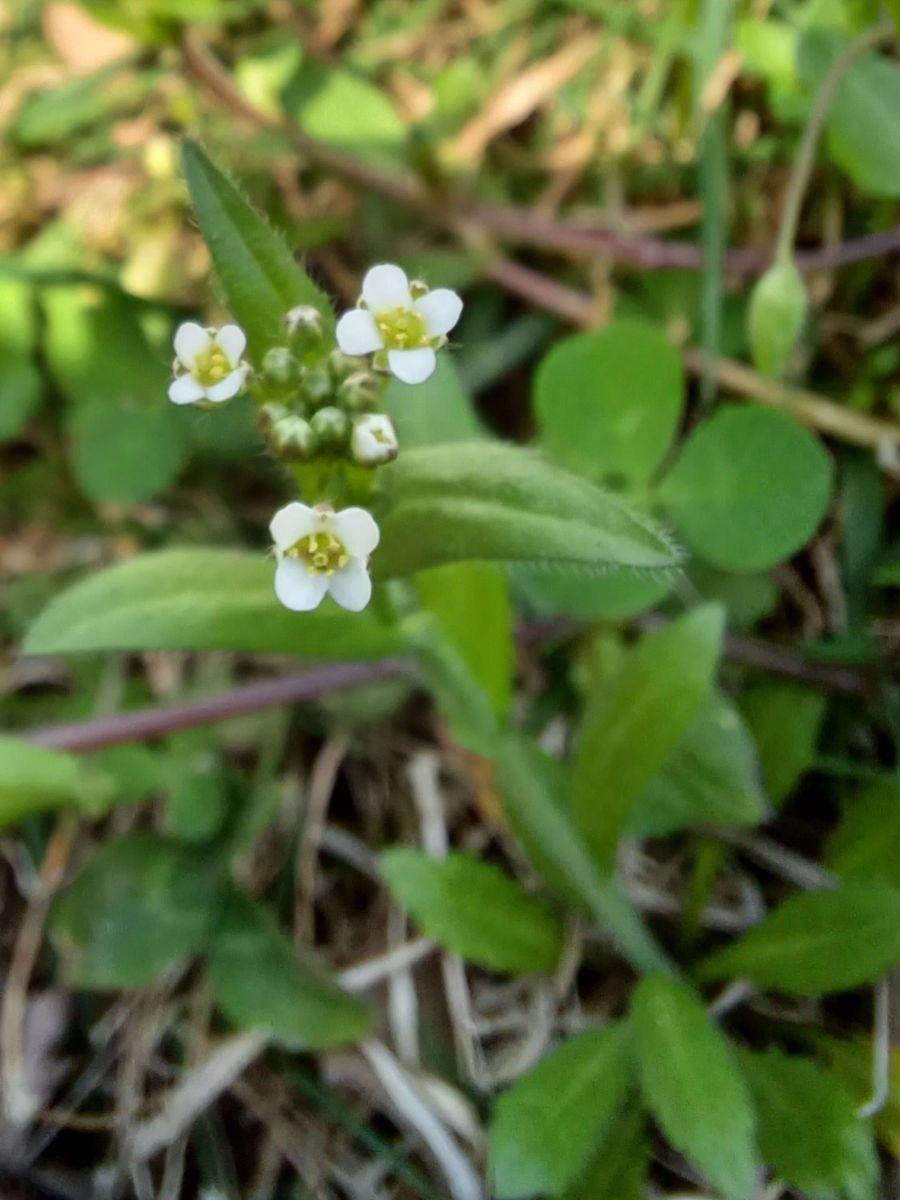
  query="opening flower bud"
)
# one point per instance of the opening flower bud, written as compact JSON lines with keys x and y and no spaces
{"x":359,"y":392}
{"x":332,"y":427}
{"x":373,"y":440}
{"x":776,"y":317}
{"x":280,"y":368}
{"x":305,"y":327}
{"x":294,"y":439}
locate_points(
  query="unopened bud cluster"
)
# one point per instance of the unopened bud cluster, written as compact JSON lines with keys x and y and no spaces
{"x":320,"y":404}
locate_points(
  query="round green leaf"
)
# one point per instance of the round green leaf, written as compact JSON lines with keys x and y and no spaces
{"x":123,"y":454}
{"x":748,"y":489}
{"x":608,"y":402}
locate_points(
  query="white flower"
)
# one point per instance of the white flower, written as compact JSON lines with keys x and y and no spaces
{"x":373,"y":440}
{"x":208,"y":363}
{"x":321,"y":551}
{"x":402,"y":323}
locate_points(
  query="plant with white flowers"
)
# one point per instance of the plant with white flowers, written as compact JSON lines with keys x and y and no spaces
{"x":319,"y":412}
{"x":322,"y":552}
{"x":208,"y":364}
{"x":401,"y":322}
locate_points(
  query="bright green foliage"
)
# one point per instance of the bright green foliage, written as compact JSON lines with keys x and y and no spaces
{"x":470,"y":602}
{"x":194,"y":599}
{"x":850,"y":1061}
{"x":748,"y":489}
{"x":862,"y":119}
{"x":481,"y":500}
{"x":263,"y":983}
{"x":709,"y":777}
{"x":257,"y":272}
{"x":141,"y":904}
{"x":616,"y":594}
{"x":343,"y":109}
{"x":866,"y":844}
{"x":51,"y":116}
{"x":784,"y":718}
{"x":21,"y":385}
{"x":817,"y":942}
{"x":618,"y":1170}
{"x":809,"y":1133}
{"x":548,"y":1125}
{"x":34,"y":780}
{"x":154,"y":20}
{"x":692,"y":1085}
{"x":777,"y":314}
{"x":472,"y":909}
{"x":608,"y":402}
{"x":124,"y":454}
{"x":633,"y":726}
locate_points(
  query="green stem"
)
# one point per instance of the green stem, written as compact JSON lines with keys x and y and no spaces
{"x":806,"y":156}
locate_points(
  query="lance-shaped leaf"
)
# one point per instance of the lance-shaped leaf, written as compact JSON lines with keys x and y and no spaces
{"x":487,"y":501}
{"x":817,"y":942}
{"x":34,"y":779}
{"x":255,"y":267}
{"x":196,"y":599}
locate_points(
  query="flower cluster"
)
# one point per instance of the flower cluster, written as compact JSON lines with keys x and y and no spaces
{"x":319,"y":410}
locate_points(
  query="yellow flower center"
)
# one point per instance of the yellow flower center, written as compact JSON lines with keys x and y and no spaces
{"x":401,"y":328}
{"x":210,"y":365}
{"x":321,"y":553}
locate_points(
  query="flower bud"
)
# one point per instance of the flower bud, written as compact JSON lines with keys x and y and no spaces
{"x":269,"y":416}
{"x":777,"y":313}
{"x":280,"y":368}
{"x":305,"y":327}
{"x":373,"y":440}
{"x":318,"y":387}
{"x":359,"y":392}
{"x":294,"y":439}
{"x":340,"y":366}
{"x":332,"y":427}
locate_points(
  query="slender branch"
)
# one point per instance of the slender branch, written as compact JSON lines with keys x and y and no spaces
{"x":82,"y":737}
{"x":574,"y":236}
{"x":806,"y":155}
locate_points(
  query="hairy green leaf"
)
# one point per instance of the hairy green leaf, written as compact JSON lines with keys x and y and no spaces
{"x":487,"y":501}
{"x":692,"y":1085}
{"x":199,"y":599}
{"x":257,"y":271}
{"x":474,"y":910}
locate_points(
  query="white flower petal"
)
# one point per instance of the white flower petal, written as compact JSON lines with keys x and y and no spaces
{"x":293,"y":522}
{"x":296,"y":588}
{"x":351,"y":587}
{"x":441,"y":310}
{"x":412,"y":366}
{"x":227,"y":387}
{"x":386,"y":286}
{"x":233,"y":341}
{"x":190,"y":339}
{"x":186,"y":390}
{"x":356,"y":332}
{"x":357,"y":530}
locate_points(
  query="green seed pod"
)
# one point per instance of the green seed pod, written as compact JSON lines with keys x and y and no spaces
{"x":280,"y":368}
{"x":294,"y":439}
{"x":359,"y":392}
{"x":332,"y":427}
{"x":776,"y":316}
{"x":318,"y":387}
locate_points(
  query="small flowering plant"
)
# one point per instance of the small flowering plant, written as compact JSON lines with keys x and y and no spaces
{"x":361,"y":505}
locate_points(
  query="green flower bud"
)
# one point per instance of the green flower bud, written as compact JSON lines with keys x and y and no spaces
{"x":318,"y":387}
{"x":332,"y":427}
{"x":269,"y":416}
{"x":294,"y":439}
{"x":305,"y":327}
{"x":776,"y":316}
{"x":280,"y":368}
{"x":340,"y":366}
{"x":359,"y":392}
